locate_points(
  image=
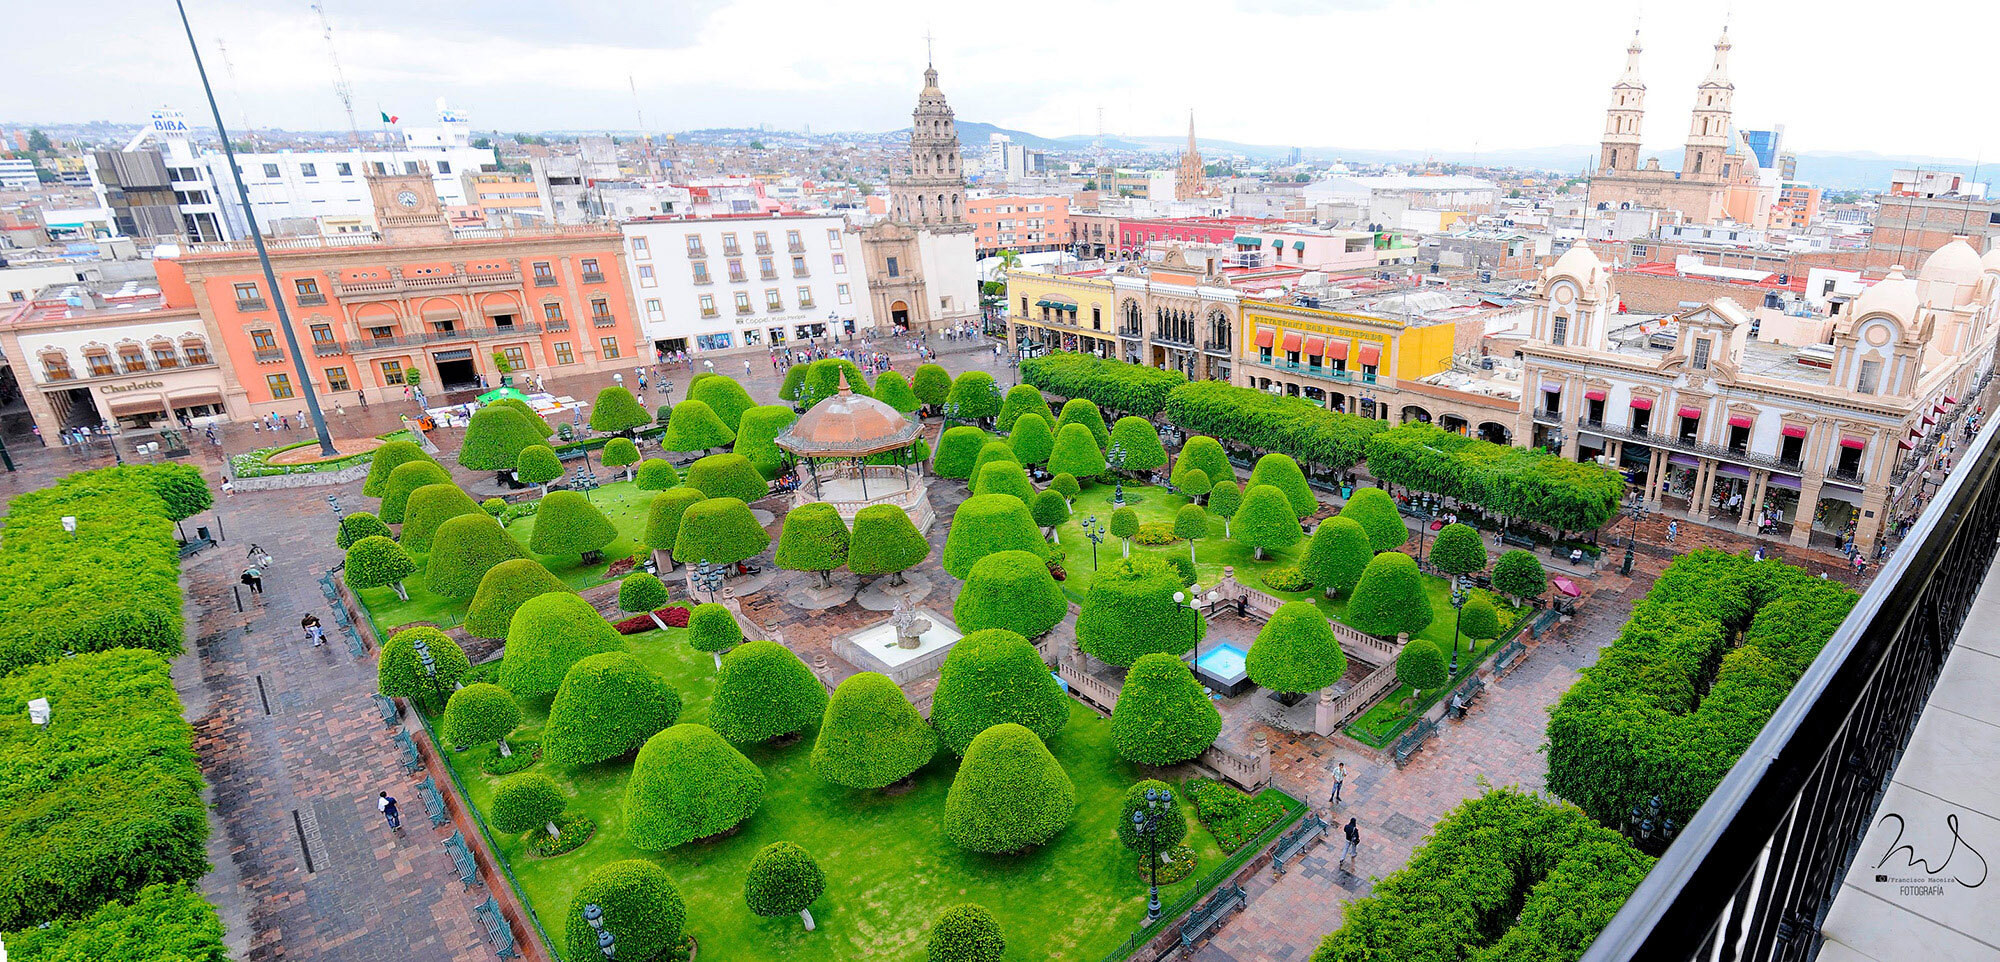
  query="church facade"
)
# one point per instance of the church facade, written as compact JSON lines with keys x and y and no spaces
{"x":920,"y":262}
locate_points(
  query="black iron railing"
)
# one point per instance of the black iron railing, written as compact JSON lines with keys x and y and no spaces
{"x":1754,"y":872}
{"x":1740,"y":455}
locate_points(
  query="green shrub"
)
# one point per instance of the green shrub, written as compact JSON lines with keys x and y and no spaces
{"x":103,"y":801}
{"x":1084,"y":412}
{"x":494,"y":507}
{"x":616,"y":411}
{"x":640,"y":904}
{"x":720,"y":531}
{"x":377,"y":562}
{"x":607,"y":706}
{"x":1503,"y":876}
{"x":1156,"y":533}
{"x":1163,"y":717}
{"x":725,"y":397}
{"x":463,"y":550}
{"x":932,"y":384}
{"x":1184,"y":566}
{"x":1225,"y":498}
{"x":1529,"y":483}
{"x":687,"y":783}
{"x":1519,"y":573}
{"x":405,"y":479}
{"x":871,"y":735}
{"x":814,"y":538}
{"x":163,"y":923}
{"x":550,"y":633}
{"x":1076,"y":453}
{"x":1065,"y":483}
{"x":1479,"y":620}
{"x":1389,"y":599}
{"x":1206,"y":455}
{"x":728,"y":476}
{"x":713,"y":628}
{"x":1009,"y":794}
{"x":1011,"y":590}
{"x":994,"y":676}
{"x":1421,"y":666}
{"x":663,"y":517}
{"x":1141,"y":442}
{"x":1132,"y":388}
{"x":763,"y":692}
{"x":756,"y":439}
{"x":975,"y":394}
{"x":619,"y":453}
{"x":387,"y":458}
{"x":495,"y":437}
{"x":891,"y":389}
{"x":1458,"y":550}
{"x":1267,"y":520}
{"x":1004,"y":477}
{"x":1376,"y":513}
{"x":958,"y":450}
{"x":1190,"y":524}
{"x":885,"y":542}
{"x":1049,"y":509}
{"x":1296,"y":651}
{"x":480,"y":713}
{"x":1286,"y":578}
{"x":1172,"y":826}
{"x":400,"y":672}
{"x":1308,"y":433}
{"x":1021,"y":399}
{"x":537,"y":464}
{"x":984,"y":524}
{"x":1339,"y":553}
{"x":823,"y":380}
{"x":541,"y":424}
{"x":1130,"y":611}
{"x":1281,"y":472}
{"x":1033,"y":438}
{"x":527,"y":800}
{"x":695,"y":427}
{"x":1190,"y":480}
{"x":641,"y":592}
{"x":568,"y":524}
{"x":795,"y":380}
{"x":359,"y":525}
{"x":656,"y":474}
{"x":993,"y":449}
{"x":429,"y":507}
{"x":965,"y":933}
{"x":783,"y":880}
{"x":501,"y":592}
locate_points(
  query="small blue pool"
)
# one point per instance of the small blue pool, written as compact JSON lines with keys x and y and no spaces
{"x":1221,"y":669}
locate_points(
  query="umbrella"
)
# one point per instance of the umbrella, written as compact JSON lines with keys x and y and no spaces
{"x":500,"y":393}
{"x":1567,"y":587}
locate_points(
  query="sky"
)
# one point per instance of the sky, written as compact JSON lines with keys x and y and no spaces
{"x":1443,"y":75}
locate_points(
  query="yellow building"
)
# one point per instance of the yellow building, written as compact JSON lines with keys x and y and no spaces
{"x":1061,"y":312}
{"x":1354,"y":363}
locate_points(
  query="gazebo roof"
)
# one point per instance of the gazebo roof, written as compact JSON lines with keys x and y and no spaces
{"x":848,"y":425}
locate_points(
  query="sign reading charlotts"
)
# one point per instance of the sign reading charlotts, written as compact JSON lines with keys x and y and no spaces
{"x":136,"y":386}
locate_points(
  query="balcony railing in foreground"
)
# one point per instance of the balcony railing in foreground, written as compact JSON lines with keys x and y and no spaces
{"x":1752,"y":875}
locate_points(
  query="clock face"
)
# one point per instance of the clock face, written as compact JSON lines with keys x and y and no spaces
{"x":407,"y":198}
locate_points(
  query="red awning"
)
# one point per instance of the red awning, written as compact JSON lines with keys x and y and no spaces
{"x":1905,"y":446}
{"x":1930,"y":419}
{"x":1740,"y":422}
{"x":1371,"y":355}
{"x":1337,"y":351}
{"x":1793,"y":431}
{"x":1855,"y":443}
{"x":1642,"y":404}
{"x":1691,"y":412}
{"x":1292,"y":340}
{"x":1948,"y":399}
{"x":1916,"y":433}
{"x":1593,"y":395}
{"x":1264,"y":336}
{"x":1315,"y":347}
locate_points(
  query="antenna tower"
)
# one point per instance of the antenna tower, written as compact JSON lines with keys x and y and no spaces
{"x":645,"y":136}
{"x":223,"y":48}
{"x":341,"y":88}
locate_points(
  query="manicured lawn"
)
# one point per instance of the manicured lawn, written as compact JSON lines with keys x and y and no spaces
{"x":890,"y":869}
{"x":1389,"y":718}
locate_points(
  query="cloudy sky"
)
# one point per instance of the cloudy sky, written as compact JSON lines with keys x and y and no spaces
{"x":1412,"y":74}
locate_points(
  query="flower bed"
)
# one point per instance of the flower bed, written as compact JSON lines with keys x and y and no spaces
{"x":257,"y":464}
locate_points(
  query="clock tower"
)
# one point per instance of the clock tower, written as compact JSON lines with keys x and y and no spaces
{"x":407,"y":210}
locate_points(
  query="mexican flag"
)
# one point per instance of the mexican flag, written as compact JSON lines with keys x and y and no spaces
{"x":388,"y":119}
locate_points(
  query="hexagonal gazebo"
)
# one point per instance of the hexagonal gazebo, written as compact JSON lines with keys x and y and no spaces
{"x":836,"y":437}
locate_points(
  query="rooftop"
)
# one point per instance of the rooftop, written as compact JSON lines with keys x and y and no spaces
{"x":68,"y":303}
{"x":1652,"y":336}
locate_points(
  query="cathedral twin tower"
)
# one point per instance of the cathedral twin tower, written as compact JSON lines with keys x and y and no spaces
{"x":1708,"y":144}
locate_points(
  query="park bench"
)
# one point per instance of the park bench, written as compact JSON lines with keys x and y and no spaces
{"x":1412,"y":740}
{"x":1509,"y":655}
{"x":1206,"y":918}
{"x":193,"y":547}
{"x":1462,"y":699}
{"x":1517,"y":540}
{"x":1541,"y":622}
{"x":355,"y":646}
{"x":497,"y":929}
{"x":461,"y":857}
{"x":412,"y":759}
{"x":1296,"y":841}
{"x":433,"y":800}
{"x":391,"y":717}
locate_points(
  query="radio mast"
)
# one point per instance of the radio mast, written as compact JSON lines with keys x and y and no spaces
{"x":341,"y":88}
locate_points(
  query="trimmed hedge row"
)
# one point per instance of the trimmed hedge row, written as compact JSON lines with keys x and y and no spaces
{"x":1526,"y":483}
{"x":1117,"y":385}
{"x":165,"y":923}
{"x":1704,"y":660}
{"x":1308,"y":433}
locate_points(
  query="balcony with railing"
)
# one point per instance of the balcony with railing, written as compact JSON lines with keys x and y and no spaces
{"x":251,"y":304}
{"x":443,"y":336}
{"x":738,"y":277}
{"x":328,"y":348}
{"x":770,"y":275}
{"x":545,"y":280}
{"x":796,"y":247}
{"x":1848,"y":475}
{"x":593,"y":277}
{"x":1166,"y":339}
{"x":1321,"y":371}
{"x":267,"y":355}
{"x":603,"y":320}
{"x":697,"y":251}
{"x":801,"y":272}
{"x":456,"y":280}
{"x":1216,"y":347}
{"x":745,"y":309}
{"x":312,"y":299}
{"x":805,"y":303}
{"x":1677,"y":443}
{"x":1130,"y":330}
{"x":764,"y":247}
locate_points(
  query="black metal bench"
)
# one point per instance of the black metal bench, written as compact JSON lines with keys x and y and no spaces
{"x":194,"y":547}
{"x":1509,"y":655}
{"x":1541,"y":622}
{"x":1462,"y":699}
{"x":461,"y":857}
{"x":433,"y":800}
{"x":1206,"y":918}
{"x":1517,"y":540}
{"x":497,"y":930}
{"x":391,"y":717}
{"x":1413,"y":740}
{"x":1296,"y":841}
{"x":412,"y":759}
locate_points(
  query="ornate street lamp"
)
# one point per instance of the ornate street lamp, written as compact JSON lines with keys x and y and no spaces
{"x":1637,"y":513}
{"x":1650,"y":826}
{"x":1095,"y":532}
{"x":1146,"y":823}
{"x":606,"y":942}
{"x":707,"y":577}
{"x":1459,"y":596}
{"x":1114,"y":459}
{"x":583,"y":480}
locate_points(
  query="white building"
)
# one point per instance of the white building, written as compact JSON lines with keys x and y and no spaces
{"x":735,"y":283}
{"x":18,"y":174}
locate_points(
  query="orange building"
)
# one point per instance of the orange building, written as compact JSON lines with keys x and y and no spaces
{"x":420,"y":304}
{"x":1018,"y":223}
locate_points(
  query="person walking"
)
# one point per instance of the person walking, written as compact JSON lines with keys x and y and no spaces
{"x":387,"y":806}
{"x":314,"y":634}
{"x":1339,"y":780}
{"x":1673,"y":531}
{"x":1353,"y":846}
{"x":254,"y":578}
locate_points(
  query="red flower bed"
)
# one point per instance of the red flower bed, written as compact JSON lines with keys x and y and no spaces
{"x":675,"y":616}
{"x":1056,"y":571}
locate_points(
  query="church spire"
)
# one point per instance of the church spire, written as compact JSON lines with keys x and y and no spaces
{"x":1719,"y":73}
{"x":1190,"y":180}
{"x":1626,"y":114}
{"x":1709,"y":133}
{"x":933,"y":195}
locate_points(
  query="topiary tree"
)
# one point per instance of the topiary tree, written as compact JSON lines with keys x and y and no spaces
{"x":1033,"y":438}
{"x":1141,"y":444}
{"x":1206,"y":453}
{"x":976,"y":396}
{"x":728,"y":476}
{"x":1224,"y":500}
{"x":428,"y":507}
{"x":720,"y":531}
{"x":795,"y":380}
{"x":495,"y":436}
{"x":359,"y":525}
{"x":756,"y":438}
{"x":871,"y":736}
{"x":1190,"y":481}
{"x":891,"y":389}
{"x":1296,"y":651}
{"x":645,"y":910}
{"x":1011,"y":590}
{"x":405,"y":479}
{"x":1191,"y":524}
{"x":1084,"y":411}
{"x":1281,"y":472}
{"x":568,"y":524}
{"x":695,"y":427}
{"x":502,"y":591}
{"x":1004,"y":477}
{"x":712,"y":628}
{"x":607,"y":705}
{"x":1339,"y":552}
{"x":1458,"y":550}
{"x":725,"y":397}
{"x":958,"y":451}
{"x":549,"y":634}
{"x":1172,"y":827}
{"x":480,"y":712}
{"x":528,"y":800}
{"x":620,"y":453}
{"x":376,"y":561}
{"x":1389,"y":599}
{"x":1066,"y":483}
{"x":814,"y":538}
{"x":885,"y":542}
{"x":663,"y":519}
{"x":1375,"y":511}
{"x":783,"y":880}
{"x":994,"y":676}
{"x":663,"y":416}
{"x":687,"y":783}
{"x":1519,"y":575}
{"x":1076,"y":453}
{"x":656,"y":474}
{"x":402,"y":671}
{"x":990,"y":451}
{"x":387,"y":458}
{"x":1124,"y":524}
{"x":494,"y":507}
{"x":1130,"y":610}
{"x":1421,"y":666}
{"x":932,"y":384}
{"x":1021,"y":399}
{"x":763,"y":692}
{"x":984,"y":524}
{"x":965,"y":933}
{"x":823,"y":380}
{"x":534,"y":417}
{"x":1050,"y":510}
{"x":1266,"y":520}
{"x":1009,"y":794}
{"x":641,"y":592}
{"x":1163,"y":717}
{"x":1479,"y":621}
{"x":618,"y":412}
{"x":537,"y":464}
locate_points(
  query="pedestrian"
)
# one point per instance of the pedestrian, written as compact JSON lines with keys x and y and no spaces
{"x":746,"y":367}
{"x":1353,"y":846}
{"x":339,"y":409}
{"x":387,"y":806}
{"x":314,"y":634}
{"x":361,"y":397}
{"x":228,"y":487}
{"x":1673,"y":531}
{"x":1339,"y":779}
{"x":253,"y":578}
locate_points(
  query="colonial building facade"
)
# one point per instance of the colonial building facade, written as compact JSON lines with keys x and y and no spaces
{"x":920,"y":262}
{"x":757,"y":281}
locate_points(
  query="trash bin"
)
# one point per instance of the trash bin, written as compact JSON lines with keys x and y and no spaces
{"x":201,"y":533}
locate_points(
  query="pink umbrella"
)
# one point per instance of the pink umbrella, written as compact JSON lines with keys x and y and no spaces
{"x":1567,"y":587}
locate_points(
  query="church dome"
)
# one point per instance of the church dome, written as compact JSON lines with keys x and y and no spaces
{"x":1991,"y":262}
{"x":1581,"y":265}
{"x":1894,"y":295}
{"x":1954,"y":263}
{"x":848,"y":425}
